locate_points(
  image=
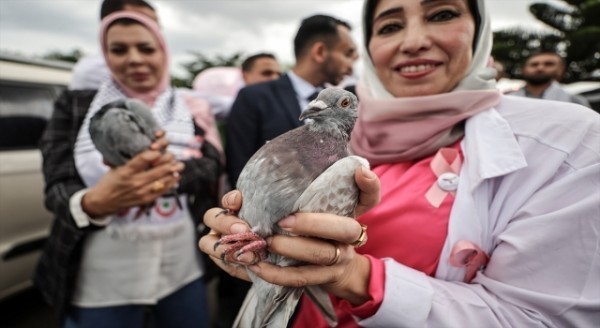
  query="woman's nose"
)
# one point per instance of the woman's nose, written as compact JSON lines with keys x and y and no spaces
{"x":415,"y":38}
{"x":134,"y":56}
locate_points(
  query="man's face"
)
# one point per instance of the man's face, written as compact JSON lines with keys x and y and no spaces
{"x":340,"y":58}
{"x":542,"y":69}
{"x":263,"y":69}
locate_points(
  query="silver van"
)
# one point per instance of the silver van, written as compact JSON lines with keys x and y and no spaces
{"x":28,"y":89}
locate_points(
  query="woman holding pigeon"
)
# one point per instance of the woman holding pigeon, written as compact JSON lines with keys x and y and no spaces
{"x":485,"y":209}
{"x":120,"y":244}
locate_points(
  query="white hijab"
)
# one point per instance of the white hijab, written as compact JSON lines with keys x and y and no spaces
{"x":479,"y":75}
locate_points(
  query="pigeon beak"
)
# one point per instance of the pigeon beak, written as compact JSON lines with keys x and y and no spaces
{"x":313,"y":108}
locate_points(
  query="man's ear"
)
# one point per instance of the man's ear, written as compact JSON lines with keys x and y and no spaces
{"x":319,"y":52}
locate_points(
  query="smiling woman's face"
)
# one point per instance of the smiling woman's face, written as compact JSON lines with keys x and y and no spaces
{"x":134,"y":56}
{"x":421,"y":47}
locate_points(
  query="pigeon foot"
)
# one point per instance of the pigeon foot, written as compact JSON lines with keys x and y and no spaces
{"x":240,"y":243}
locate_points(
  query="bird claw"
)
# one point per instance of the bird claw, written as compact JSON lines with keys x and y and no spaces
{"x":240,"y":243}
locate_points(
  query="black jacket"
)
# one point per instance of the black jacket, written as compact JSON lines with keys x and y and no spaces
{"x":259,"y":113}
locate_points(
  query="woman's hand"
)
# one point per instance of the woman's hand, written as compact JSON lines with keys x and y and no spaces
{"x":140,"y":181}
{"x":332,"y":261}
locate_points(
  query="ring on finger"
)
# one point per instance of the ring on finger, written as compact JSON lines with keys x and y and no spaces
{"x":158,"y":186}
{"x":362,"y":238}
{"x":336,"y":258}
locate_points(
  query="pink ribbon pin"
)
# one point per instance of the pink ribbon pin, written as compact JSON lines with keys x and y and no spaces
{"x":467,"y":254}
{"x":447,"y":160}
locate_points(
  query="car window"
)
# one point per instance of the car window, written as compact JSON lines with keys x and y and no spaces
{"x":24,"y":111}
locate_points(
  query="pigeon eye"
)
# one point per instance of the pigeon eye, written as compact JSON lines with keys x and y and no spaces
{"x":345,"y":102}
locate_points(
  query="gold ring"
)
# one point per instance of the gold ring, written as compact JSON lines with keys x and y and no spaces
{"x":337,"y":256}
{"x":362,"y":239}
{"x":158,"y":186}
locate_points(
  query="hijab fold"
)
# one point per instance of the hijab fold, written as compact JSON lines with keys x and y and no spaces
{"x":404,"y":129}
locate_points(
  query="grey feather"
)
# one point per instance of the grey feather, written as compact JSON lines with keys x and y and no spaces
{"x":122,"y":129}
{"x":306,"y":169}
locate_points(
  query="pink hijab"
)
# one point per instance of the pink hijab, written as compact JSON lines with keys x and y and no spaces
{"x":390,"y":129}
{"x":152,"y":26}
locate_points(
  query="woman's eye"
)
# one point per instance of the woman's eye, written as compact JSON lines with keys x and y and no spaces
{"x":147,"y":50}
{"x":118,"y":50}
{"x":443,"y":16}
{"x":389,"y":28}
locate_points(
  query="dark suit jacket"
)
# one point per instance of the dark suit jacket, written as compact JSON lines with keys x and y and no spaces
{"x":260,"y":113}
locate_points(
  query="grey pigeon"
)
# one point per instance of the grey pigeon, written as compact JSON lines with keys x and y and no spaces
{"x":122,"y":129}
{"x":307,"y":169}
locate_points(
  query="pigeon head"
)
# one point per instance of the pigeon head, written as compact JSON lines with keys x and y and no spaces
{"x":329,"y":103}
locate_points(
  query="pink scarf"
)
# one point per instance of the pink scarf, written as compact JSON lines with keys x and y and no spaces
{"x":400,"y":129}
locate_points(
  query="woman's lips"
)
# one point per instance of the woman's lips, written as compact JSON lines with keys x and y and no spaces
{"x":417,"y":69}
{"x":139,"y":77}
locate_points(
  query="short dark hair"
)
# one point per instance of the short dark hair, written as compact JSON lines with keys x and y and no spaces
{"x":110,"y":6}
{"x":546,"y":52}
{"x":317,"y":28}
{"x":249,"y":61}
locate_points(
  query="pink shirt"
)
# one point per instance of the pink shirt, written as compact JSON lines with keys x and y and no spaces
{"x":413,"y":234}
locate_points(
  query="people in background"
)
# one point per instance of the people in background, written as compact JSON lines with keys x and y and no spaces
{"x":481,"y":209}
{"x":219,"y":86}
{"x":260,"y":67}
{"x":541,"y":73}
{"x":325,"y":53}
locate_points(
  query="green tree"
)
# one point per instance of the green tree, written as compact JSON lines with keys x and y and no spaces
{"x":72,"y":56}
{"x":202,"y":62}
{"x":575,"y":36}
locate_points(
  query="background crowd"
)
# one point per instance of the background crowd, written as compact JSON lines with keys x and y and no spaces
{"x":429,"y":106}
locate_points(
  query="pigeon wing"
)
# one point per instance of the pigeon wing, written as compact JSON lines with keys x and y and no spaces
{"x":334,"y":191}
{"x":117,"y":135}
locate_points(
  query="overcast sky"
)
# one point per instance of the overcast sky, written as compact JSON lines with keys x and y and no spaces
{"x":212,"y":27}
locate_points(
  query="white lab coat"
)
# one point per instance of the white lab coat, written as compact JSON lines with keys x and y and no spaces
{"x":529,"y":196}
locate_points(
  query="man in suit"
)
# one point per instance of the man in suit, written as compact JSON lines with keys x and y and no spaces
{"x":325,"y":53}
